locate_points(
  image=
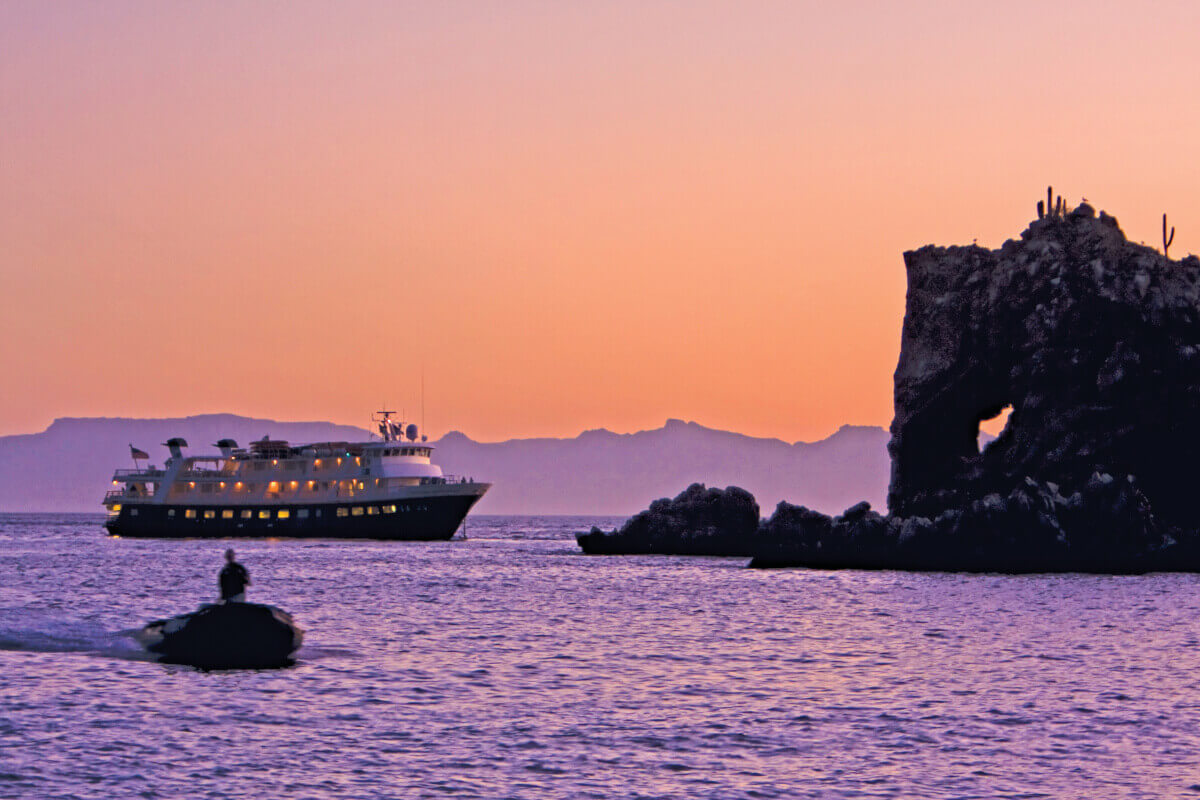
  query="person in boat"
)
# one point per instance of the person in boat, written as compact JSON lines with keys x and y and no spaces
{"x":233,"y":580}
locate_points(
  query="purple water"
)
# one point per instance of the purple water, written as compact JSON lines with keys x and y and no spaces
{"x":509,"y":665}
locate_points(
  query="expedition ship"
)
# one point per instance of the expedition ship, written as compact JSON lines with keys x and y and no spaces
{"x":385,"y":489}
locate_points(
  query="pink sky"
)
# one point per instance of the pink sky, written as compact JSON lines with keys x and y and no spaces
{"x":570,"y":215}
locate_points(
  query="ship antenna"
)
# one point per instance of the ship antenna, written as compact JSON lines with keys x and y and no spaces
{"x":383,"y":416}
{"x":422,"y":395}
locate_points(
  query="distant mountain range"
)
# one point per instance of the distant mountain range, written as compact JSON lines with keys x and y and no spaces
{"x":68,"y":466}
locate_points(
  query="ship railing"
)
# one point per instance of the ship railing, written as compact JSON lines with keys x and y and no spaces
{"x":444,"y":479}
{"x":215,"y":474}
{"x":126,"y":494}
{"x":138,"y":473}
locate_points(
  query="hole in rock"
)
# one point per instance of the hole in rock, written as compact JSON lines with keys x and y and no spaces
{"x":991,"y":427}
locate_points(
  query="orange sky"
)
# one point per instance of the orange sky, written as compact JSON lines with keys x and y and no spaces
{"x":572,"y":215}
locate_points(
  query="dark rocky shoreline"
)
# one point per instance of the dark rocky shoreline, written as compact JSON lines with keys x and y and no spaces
{"x":698,"y":522}
{"x":1093,"y":343}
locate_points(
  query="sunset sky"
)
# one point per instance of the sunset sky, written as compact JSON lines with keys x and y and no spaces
{"x":568,"y":215}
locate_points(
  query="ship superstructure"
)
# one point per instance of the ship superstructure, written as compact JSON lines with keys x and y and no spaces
{"x":384,"y":489}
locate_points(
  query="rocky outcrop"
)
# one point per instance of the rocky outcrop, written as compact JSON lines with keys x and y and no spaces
{"x":225,"y":636}
{"x":1093,"y":342}
{"x":1107,"y":526}
{"x":698,"y":522}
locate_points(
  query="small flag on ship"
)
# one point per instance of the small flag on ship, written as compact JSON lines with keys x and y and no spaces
{"x":133,"y":451}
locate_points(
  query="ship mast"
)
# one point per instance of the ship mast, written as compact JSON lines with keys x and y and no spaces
{"x":388,"y":430}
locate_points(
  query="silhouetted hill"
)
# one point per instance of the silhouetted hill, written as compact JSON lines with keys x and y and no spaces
{"x":67,"y":467}
{"x":600,"y":472}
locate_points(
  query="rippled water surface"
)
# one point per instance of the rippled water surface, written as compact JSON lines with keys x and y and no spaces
{"x":509,"y":665}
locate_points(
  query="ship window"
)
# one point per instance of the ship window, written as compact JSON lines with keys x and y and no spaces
{"x":247,"y":514}
{"x":190,"y":513}
{"x":283,"y":513}
{"x":133,"y":512}
{"x":389,"y":509}
{"x":227,"y":514}
{"x":302,"y":513}
{"x":343,"y":512}
{"x":210,"y":514}
{"x":170,"y":512}
{"x":372,"y":510}
{"x":357,"y":511}
{"x":264,"y":514}
{"x":318,"y":512}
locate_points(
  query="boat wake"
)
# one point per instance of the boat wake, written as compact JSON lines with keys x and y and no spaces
{"x":31,"y":634}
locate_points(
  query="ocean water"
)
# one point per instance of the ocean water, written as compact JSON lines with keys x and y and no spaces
{"x":509,"y":665}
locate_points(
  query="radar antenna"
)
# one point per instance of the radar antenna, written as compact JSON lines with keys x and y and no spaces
{"x":383,"y":420}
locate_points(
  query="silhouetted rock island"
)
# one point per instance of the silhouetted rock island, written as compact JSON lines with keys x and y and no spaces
{"x":1093,"y":342}
{"x":698,"y":522}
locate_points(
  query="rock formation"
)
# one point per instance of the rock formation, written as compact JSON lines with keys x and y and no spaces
{"x":1094,"y":344}
{"x":698,"y":522}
